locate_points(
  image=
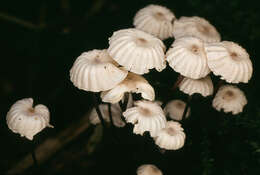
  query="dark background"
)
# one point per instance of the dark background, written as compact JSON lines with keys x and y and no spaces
{"x":40,"y":41}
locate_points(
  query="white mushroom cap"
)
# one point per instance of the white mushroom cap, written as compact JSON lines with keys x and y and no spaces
{"x":175,"y":109}
{"x":27,"y":120}
{"x":156,"y":20}
{"x":203,"y":86}
{"x":146,"y":116}
{"x":96,"y":71}
{"x":115,"y":111}
{"x":148,"y":169}
{"x":132,"y":83}
{"x":137,"y":51}
{"x":230,"y":61}
{"x":171,"y":137}
{"x":187,"y":56}
{"x":230,"y":99}
{"x":197,"y":27}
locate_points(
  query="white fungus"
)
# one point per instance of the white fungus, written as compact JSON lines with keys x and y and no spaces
{"x":197,"y":27}
{"x":132,"y":83}
{"x":230,"y":61}
{"x":96,"y":71}
{"x":171,"y":137}
{"x":230,"y":99}
{"x":203,"y":86}
{"x":27,"y":120}
{"x":148,"y":169}
{"x":137,"y":51}
{"x":146,"y":116}
{"x":175,"y":109}
{"x":187,"y":56}
{"x":156,"y":20}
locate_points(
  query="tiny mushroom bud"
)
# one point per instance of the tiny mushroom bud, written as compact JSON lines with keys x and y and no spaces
{"x":137,"y":51}
{"x":27,"y":120}
{"x":156,"y":20}
{"x":187,"y":56}
{"x":197,"y":27}
{"x":148,"y":169}
{"x":175,"y":109}
{"x":230,"y":99}
{"x":96,"y":71}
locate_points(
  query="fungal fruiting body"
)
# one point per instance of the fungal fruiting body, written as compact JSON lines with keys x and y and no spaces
{"x":230,"y":61}
{"x":230,"y":99}
{"x":155,"y":20}
{"x":96,"y":71}
{"x":132,"y":83}
{"x":203,"y":86}
{"x":137,"y":51}
{"x":27,"y":120}
{"x":115,"y":111}
{"x":175,"y":109}
{"x":171,"y":137}
{"x":148,"y":169}
{"x":187,"y":57}
{"x":146,"y":116}
{"x":197,"y":27}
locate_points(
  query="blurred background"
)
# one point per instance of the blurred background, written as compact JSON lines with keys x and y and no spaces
{"x":40,"y":40}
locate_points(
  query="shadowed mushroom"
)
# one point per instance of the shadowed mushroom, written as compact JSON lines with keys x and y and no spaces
{"x":171,"y":137}
{"x":197,"y":27}
{"x":137,"y":51}
{"x":146,"y":116}
{"x":175,"y":109}
{"x":27,"y":120}
{"x":133,"y":83}
{"x":96,"y":71}
{"x":187,"y":56}
{"x":156,"y":20}
{"x":148,"y":169}
{"x":203,"y":86}
{"x":230,"y":99}
{"x":230,"y":61}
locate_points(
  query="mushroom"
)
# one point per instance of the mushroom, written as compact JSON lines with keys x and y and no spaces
{"x":146,"y":116}
{"x":27,"y":120}
{"x":230,"y":61}
{"x":175,"y":109}
{"x":230,"y":99}
{"x":187,"y":57}
{"x":197,"y":27}
{"x":96,"y":71}
{"x":155,"y":20}
{"x":203,"y":86}
{"x":132,"y":83}
{"x":171,"y":137}
{"x":137,"y":51}
{"x":148,"y":169}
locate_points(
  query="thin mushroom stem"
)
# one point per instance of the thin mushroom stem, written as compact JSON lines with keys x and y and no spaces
{"x":34,"y":158}
{"x":110,"y":115}
{"x":186,"y":107}
{"x":98,"y":110}
{"x":123,"y":106}
{"x":177,"y":83}
{"x":220,"y":83}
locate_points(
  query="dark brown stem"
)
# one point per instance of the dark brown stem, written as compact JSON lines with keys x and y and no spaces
{"x":34,"y":158}
{"x":177,"y":83}
{"x":220,"y":83}
{"x":98,"y":110}
{"x":110,"y":115}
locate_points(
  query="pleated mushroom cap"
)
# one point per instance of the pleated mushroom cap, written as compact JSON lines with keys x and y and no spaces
{"x":175,"y":109}
{"x":203,"y":86}
{"x":187,"y":56}
{"x":137,"y":51}
{"x":171,"y":137}
{"x":148,"y":169}
{"x":133,"y":83}
{"x":96,"y":71}
{"x":155,"y":20}
{"x":197,"y":27}
{"x":230,"y":61}
{"x":230,"y":99}
{"x":146,"y":116}
{"x":115,"y":111}
{"x":27,"y":120}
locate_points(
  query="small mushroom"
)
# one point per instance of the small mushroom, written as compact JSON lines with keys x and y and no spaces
{"x":175,"y":109}
{"x":148,"y":169}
